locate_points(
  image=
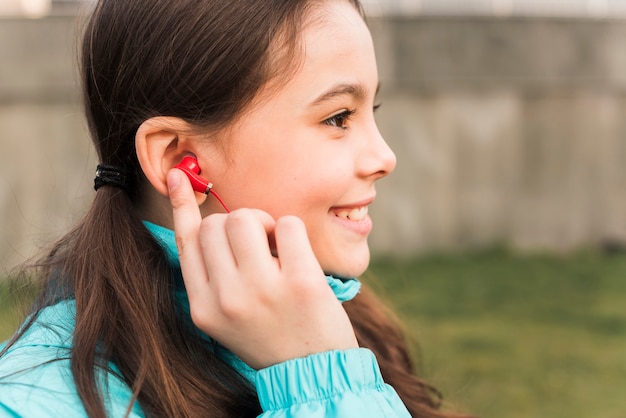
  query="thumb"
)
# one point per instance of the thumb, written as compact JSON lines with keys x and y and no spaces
{"x":186,"y":213}
{"x":180,"y":191}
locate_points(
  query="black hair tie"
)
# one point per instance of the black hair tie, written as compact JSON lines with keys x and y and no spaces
{"x":110,"y":175}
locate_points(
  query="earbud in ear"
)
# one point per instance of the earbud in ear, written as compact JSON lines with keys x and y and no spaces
{"x":189,"y":166}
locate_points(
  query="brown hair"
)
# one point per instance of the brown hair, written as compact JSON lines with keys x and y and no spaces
{"x":202,"y":61}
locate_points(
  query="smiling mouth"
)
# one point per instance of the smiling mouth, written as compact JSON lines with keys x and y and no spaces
{"x":356,"y":214}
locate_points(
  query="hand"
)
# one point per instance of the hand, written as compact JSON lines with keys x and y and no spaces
{"x":265,"y":309}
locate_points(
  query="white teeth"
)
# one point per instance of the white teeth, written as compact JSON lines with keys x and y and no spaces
{"x":357,"y":214}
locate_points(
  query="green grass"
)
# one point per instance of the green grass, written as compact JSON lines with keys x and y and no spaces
{"x":505,"y":335}
{"x":517,"y":336}
{"x":15,"y":300}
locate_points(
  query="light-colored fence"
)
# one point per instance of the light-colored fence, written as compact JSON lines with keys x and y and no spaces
{"x":506,"y":130}
{"x":544,"y":8}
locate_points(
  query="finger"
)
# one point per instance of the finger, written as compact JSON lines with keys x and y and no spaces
{"x":187,"y":220}
{"x":218,"y":256}
{"x":248,"y":232}
{"x":293,"y":247}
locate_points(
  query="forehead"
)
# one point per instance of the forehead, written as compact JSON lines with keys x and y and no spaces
{"x":333,"y":46}
{"x":334,"y":42}
{"x":337,"y":47}
{"x":333,"y":12}
{"x":336,"y":27}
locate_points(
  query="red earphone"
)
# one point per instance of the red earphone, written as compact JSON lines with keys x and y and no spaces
{"x":189,"y":165}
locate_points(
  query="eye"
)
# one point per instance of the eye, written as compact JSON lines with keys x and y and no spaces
{"x":339,"y":120}
{"x":377,"y":106}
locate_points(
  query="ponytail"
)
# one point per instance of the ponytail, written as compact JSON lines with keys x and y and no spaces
{"x":127,"y":316}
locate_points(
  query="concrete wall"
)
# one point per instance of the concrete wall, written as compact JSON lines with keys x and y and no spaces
{"x":506,"y":130}
{"x":46,"y":163}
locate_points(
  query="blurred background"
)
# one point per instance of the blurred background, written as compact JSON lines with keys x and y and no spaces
{"x":501,"y":236}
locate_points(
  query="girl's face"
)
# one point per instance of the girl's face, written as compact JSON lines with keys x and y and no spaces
{"x":311,"y":148}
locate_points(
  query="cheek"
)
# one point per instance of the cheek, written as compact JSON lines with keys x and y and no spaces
{"x":302,"y":185}
{"x":289,"y":173}
{"x":308,"y":200}
{"x":316,"y":190}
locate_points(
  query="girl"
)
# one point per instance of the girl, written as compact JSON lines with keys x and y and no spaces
{"x":194,"y":312}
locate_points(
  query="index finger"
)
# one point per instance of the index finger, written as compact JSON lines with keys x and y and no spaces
{"x":293,"y":246}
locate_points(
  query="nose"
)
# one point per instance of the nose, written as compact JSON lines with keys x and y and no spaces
{"x":377,"y":159}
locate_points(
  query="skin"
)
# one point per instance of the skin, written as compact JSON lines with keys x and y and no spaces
{"x":306,"y":157}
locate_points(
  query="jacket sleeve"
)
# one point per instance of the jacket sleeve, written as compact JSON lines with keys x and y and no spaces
{"x":330,"y":384}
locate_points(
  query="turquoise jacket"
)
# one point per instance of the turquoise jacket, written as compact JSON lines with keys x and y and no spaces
{"x":36,"y":381}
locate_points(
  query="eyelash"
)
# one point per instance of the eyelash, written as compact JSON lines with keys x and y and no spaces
{"x":340,"y":119}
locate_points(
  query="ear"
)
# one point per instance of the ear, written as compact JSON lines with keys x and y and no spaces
{"x":161,"y":142}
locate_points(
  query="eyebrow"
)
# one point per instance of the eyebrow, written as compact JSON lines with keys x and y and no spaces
{"x":358,"y":91}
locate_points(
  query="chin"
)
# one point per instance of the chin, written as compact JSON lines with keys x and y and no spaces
{"x":349,"y":268}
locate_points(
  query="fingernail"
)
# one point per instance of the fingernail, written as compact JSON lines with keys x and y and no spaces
{"x":173,"y":180}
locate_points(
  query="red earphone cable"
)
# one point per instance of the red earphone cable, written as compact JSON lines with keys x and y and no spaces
{"x":219,"y":199}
